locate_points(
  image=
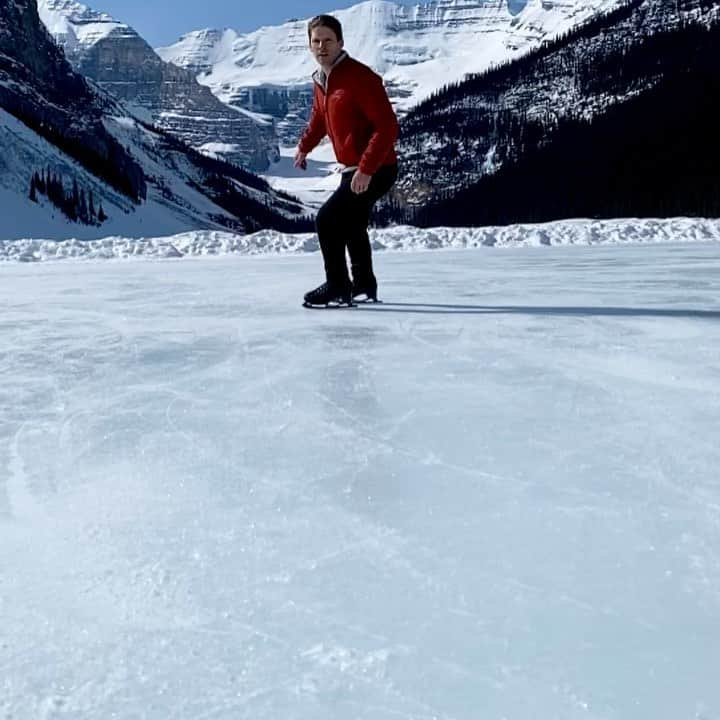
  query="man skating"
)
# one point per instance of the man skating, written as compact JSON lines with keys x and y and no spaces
{"x":350,"y":105}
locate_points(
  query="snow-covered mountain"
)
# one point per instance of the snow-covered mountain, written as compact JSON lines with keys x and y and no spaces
{"x":116,"y":57}
{"x":418,"y":49}
{"x":73,"y":163}
{"x":180,"y":190}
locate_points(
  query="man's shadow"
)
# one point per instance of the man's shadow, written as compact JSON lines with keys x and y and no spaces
{"x":581,"y":311}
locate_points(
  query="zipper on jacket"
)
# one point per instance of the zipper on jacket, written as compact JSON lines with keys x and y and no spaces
{"x":327,"y":114}
{"x":326,"y":92}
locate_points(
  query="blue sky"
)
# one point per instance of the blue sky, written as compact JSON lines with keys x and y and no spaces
{"x":161,"y":22}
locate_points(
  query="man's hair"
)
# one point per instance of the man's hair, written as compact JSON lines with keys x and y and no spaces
{"x":327,"y":21}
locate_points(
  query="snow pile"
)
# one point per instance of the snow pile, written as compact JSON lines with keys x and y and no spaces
{"x":399,"y":238}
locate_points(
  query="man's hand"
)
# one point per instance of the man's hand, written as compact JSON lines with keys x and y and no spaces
{"x":360,"y":182}
{"x":300,"y":160}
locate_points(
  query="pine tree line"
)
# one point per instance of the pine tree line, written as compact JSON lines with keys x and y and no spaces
{"x":507,"y":110}
{"x":75,"y":203}
{"x":500,"y":125}
{"x":655,"y":155}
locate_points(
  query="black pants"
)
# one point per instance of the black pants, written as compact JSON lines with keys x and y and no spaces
{"x":342,"y":222}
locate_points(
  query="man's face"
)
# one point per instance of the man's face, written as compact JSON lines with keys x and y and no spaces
{"x":324,"y":45}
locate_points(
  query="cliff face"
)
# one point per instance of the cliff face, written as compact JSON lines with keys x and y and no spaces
{"x":38,"y":86}
{"x":28,"y":53}
{"x":118,"y":59}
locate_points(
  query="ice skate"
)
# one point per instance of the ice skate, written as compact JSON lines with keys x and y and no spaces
{"x":366,"y":291}
{"x":328,"y":296}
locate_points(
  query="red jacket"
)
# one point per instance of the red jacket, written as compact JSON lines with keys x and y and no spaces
{"x":353,"y":109}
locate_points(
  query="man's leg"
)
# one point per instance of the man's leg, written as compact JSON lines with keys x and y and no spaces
{"x":330,"y":224}
{"x":358,"y":241}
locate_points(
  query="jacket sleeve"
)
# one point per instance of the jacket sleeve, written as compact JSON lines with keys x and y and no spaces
{"x":376,"y":106}
{"x":316,"y":130}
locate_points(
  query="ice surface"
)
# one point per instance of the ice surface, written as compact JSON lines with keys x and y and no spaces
{"x":495,"y":496}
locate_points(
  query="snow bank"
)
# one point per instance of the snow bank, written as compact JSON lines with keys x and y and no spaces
{"x":211,"y":242}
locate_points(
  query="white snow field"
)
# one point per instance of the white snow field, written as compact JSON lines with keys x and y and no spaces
{"x":494,"y":497}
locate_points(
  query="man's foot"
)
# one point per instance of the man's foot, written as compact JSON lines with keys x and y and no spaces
{"x":327,"y":295}
{"x":365,"y":291}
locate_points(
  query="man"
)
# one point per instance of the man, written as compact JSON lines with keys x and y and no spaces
{"x":351,"y":106}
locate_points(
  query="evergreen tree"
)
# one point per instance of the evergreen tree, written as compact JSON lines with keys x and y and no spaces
{"x":53,"y":191}
{"x":83,"y":208}
{"x":69,"y":202}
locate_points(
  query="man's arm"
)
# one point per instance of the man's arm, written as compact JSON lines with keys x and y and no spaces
{"x":375,"y":104}
{"x":314,"y":132}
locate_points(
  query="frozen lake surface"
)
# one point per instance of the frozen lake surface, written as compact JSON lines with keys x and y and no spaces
{"x":495,"y":497}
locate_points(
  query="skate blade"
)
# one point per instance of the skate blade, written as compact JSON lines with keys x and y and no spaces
{"x":329,"y":306}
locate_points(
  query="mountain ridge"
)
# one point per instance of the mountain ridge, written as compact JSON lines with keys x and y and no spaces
{"x":115,"y":56}
{"x":415,"y":48}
